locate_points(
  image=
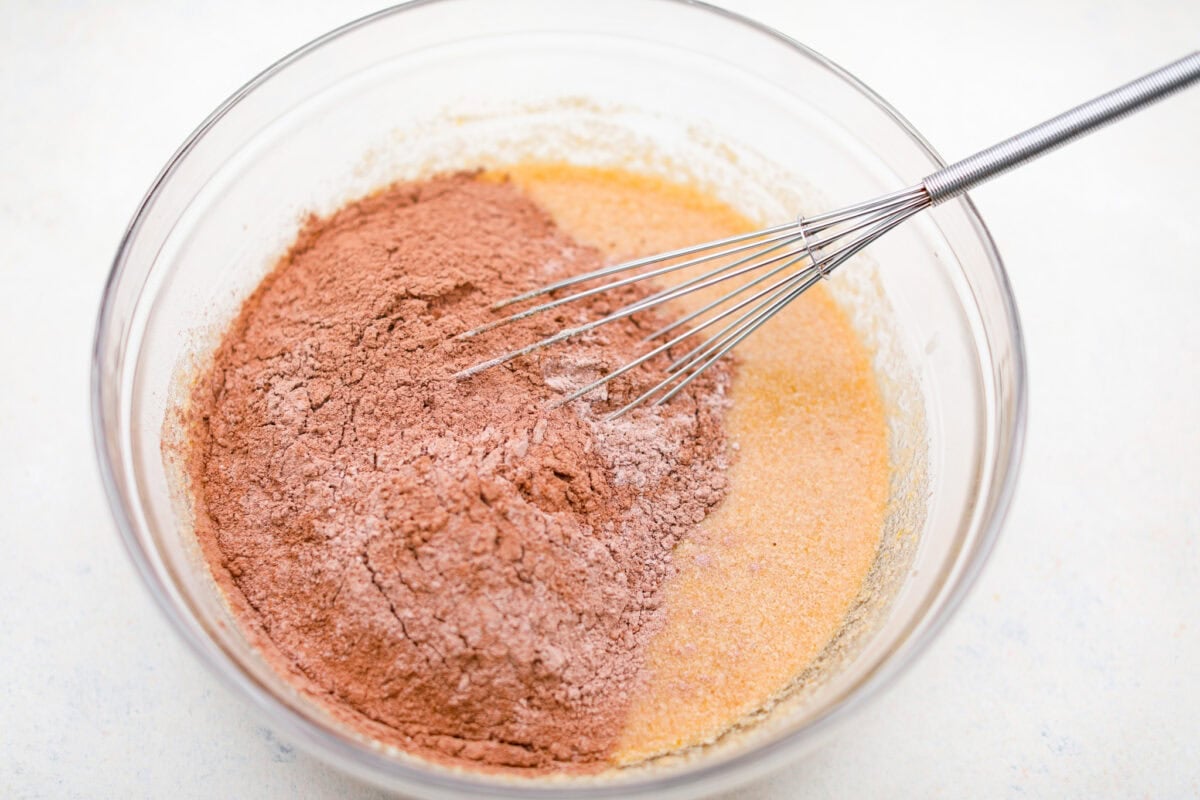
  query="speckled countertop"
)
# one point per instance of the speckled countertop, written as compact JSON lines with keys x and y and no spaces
{"x":1070,"y":671}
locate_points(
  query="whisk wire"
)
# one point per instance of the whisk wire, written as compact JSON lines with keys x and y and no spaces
{"x":671,"y":343}
{"x":846,"y":232}
{"x":617,"y":284}
{"x":810,"y":245}
{"x":779,"y":296}
{"x":675,"y":374}
{"x":687,"y":318}
{"x":747,"y":328}
{"x":818,"y":268}
{"x":769,"y":293}
{"x":646,"y":261}
{"x":717,"y":275}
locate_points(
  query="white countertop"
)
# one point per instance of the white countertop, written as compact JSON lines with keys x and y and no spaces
{"x":1070,"y":672}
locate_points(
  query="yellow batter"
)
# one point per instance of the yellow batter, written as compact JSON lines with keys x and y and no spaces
{"x":767,"y":585}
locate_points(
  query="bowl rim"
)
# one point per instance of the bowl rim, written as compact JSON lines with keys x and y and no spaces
{"x":373,"y":766}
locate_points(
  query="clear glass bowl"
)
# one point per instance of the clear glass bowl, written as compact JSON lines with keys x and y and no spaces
{"x":677,"y":88}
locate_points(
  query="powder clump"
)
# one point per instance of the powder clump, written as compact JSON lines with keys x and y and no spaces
{"x":464,"y":570}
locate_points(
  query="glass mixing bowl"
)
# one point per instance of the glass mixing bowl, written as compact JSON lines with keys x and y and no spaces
{"x":677,"y":88}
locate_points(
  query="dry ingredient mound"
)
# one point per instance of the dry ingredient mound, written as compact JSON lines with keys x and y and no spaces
{"x":455,"y":567}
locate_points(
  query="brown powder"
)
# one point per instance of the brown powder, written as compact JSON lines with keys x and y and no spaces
{"x":473,"y":576}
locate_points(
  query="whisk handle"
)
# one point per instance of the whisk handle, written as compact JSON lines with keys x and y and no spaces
{"x":964,"y":175}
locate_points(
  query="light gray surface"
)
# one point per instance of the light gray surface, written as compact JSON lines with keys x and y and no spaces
{"x":1071,"y":670}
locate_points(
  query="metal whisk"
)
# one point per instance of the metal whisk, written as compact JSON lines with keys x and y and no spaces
{"x":783,"y":261}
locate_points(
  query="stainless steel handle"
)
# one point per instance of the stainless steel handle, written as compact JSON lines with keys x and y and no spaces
{"x":964,"y":175}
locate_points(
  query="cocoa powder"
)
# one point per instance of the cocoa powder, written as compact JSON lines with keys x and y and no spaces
{"x":468,"y":573}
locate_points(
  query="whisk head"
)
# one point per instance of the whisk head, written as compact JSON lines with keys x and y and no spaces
{"x":776,"y":266}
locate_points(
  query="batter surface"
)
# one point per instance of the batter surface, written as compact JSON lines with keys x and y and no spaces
{"x":766,"y":585}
